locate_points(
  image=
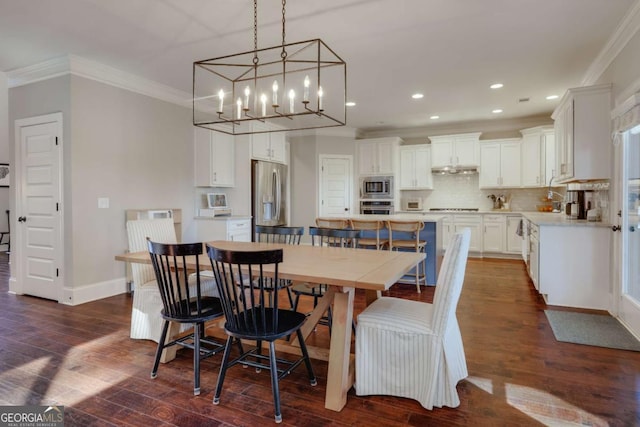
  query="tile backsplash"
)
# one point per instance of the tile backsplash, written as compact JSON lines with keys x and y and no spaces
{"x":461,"y":191}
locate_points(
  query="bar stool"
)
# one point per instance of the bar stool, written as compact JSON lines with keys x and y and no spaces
{"x":369,"y":225}
{"x":413,"y":227}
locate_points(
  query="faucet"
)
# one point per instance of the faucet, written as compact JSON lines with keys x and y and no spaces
{"x":550,"y":192}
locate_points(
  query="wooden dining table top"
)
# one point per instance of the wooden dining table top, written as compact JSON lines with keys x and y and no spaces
{"x":357,"y":268}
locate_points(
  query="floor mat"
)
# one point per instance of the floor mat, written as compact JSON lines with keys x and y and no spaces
{"x":599,"y":330}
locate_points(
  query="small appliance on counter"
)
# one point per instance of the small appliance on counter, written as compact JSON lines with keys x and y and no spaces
{"x":216,"y":205}
{"x":412,"y":204}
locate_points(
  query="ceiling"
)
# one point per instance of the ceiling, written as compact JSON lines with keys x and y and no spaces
{"x":449,"y":50}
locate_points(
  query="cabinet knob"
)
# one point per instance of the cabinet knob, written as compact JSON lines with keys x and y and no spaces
{"x":616,"y":228}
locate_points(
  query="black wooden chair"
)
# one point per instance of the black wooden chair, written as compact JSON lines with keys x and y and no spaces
{"x":335,"y":237}
{"x":183,"y":302}
{"x":249,"y":317}
{"x":284,"y":235}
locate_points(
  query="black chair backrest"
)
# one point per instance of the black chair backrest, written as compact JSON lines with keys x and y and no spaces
{"x":179,"y":299}
{"x":245,"y":289}
{"x":279,"y":234}
{"x":338,"y":237}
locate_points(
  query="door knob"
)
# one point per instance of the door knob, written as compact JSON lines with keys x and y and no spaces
{"x":615,"y":228}
{"x":22,"y":219}
{"x":346,"y":209}
{"x":632,"y":229}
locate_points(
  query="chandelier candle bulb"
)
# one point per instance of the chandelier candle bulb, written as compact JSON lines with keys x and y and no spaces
{"x":292,"y":97}
{"x":263,"y":101}
{"x":320,"y":93}
{"x":239,"y":104}
{"x":275,"y":94}
{"x":307,"y":82}
{"x":221,"y":96}
{"x":247,"y":92}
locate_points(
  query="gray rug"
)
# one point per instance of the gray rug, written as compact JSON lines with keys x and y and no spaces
{"x":600,"y":330}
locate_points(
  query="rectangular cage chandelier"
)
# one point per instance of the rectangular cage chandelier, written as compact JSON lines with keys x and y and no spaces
{"x":294,"y":86}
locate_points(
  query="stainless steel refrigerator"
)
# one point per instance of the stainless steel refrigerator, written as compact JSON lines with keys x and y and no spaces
{"x":268,"y":193}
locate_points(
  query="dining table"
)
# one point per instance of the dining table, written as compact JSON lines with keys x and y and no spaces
{"x":343,"y":270}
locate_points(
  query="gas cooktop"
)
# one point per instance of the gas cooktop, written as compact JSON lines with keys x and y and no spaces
{"x":454,"y":209}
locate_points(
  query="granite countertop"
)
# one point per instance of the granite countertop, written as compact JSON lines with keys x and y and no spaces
{"x":538,"y":218}
{"x":560,"y":219}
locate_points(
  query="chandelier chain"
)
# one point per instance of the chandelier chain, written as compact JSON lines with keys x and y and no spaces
{"x":255,"y":31}
{"x":284,"y":52}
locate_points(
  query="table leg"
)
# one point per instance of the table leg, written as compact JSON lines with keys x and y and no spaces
{"x":338,"y":376}
{"x":370,"y":296}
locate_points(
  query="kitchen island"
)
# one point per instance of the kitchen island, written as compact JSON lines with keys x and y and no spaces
{"x":432,"y":234}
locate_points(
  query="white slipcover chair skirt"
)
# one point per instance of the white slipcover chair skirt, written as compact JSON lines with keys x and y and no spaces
{"x":414,"y":349}
{"x":146,"y":322}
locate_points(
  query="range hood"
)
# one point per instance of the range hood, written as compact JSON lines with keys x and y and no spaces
{"x":455,"y":170}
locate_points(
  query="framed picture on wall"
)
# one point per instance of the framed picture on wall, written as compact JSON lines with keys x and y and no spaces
{"x":4,"y":174}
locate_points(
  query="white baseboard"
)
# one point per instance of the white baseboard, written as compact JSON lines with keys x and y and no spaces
{"x":95,"y":291}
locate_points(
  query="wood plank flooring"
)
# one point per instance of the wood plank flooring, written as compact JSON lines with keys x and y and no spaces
{"x":82,"y":357}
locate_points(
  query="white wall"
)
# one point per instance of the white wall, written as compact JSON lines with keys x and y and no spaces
{"x":133,"y":149}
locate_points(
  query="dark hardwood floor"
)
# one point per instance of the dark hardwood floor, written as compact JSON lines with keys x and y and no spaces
{"x":82,"y":357}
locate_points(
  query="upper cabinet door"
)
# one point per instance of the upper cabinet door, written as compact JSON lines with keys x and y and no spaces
{"x":455,"y":150}
{"x":214,"y":163}
{"x":510,"y":164}
{"x":466,"y":151}
{"x":377,"y":156}
{"x":270,"y":146}
{"x":489,"y":165}
{"x":441,"y":153}
{"x":424,"y":178}
{"x":531,"y":155}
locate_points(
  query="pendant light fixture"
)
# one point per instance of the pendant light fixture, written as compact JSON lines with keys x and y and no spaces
{"x":294,"y":86}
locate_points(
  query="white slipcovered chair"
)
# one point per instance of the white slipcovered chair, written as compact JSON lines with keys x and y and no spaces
{"x":414,"y":349}
{"x":146,"y":322}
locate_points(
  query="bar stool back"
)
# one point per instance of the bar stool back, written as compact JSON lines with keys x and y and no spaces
{"x":369,"y":225}
{"x":413,"y":228}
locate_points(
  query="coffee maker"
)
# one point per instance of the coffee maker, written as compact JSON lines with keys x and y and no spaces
{"x":579,"y":201}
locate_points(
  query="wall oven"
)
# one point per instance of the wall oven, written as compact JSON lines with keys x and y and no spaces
{"x":376,"y":207}
{"x":376,"y":187}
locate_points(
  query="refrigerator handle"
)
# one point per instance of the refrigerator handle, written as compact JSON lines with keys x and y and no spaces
{"x":278,"y":195}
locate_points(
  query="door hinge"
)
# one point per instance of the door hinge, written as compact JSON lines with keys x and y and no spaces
{"x":57,"y":207}
{"x":56,"y":140}
{"x":57,"y":272}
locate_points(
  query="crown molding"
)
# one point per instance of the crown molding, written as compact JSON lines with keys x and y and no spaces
{"x":627,"y":28}
{"x":82,"y":67}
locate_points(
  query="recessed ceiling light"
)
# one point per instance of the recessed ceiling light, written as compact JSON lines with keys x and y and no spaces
{"x":417,"y":96}
{"x":434,"y":117}
{"x":497,"y":111}
{"x":496,"y":86}
{"x":350,"y":104}
{"x":550,"y":97}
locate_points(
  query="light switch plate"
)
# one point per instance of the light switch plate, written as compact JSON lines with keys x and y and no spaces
{"x":103,"y":203}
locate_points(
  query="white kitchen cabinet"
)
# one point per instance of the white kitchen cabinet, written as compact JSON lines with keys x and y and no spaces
{"x":474,"y":223}
{"x":513,"y":240}
{"x":538,"y":156}
{"x":455,"y":150}
{"x":582,"y":134}
{"x":494,"y":227}
{"x":224,"y":228}
{"x":447,"y":230}
{"x":377,"y":156}
{"x":214,"y":158}
{"x":270,"y":146}
{"x":500,"y":164}
{"x":415,"y":167}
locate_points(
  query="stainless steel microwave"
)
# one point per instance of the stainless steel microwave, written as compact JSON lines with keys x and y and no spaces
{"x":376,"y":187}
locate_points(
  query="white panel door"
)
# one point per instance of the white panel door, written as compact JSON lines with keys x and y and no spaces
{"x":39,"y":217}
{"x":336,"y":186}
